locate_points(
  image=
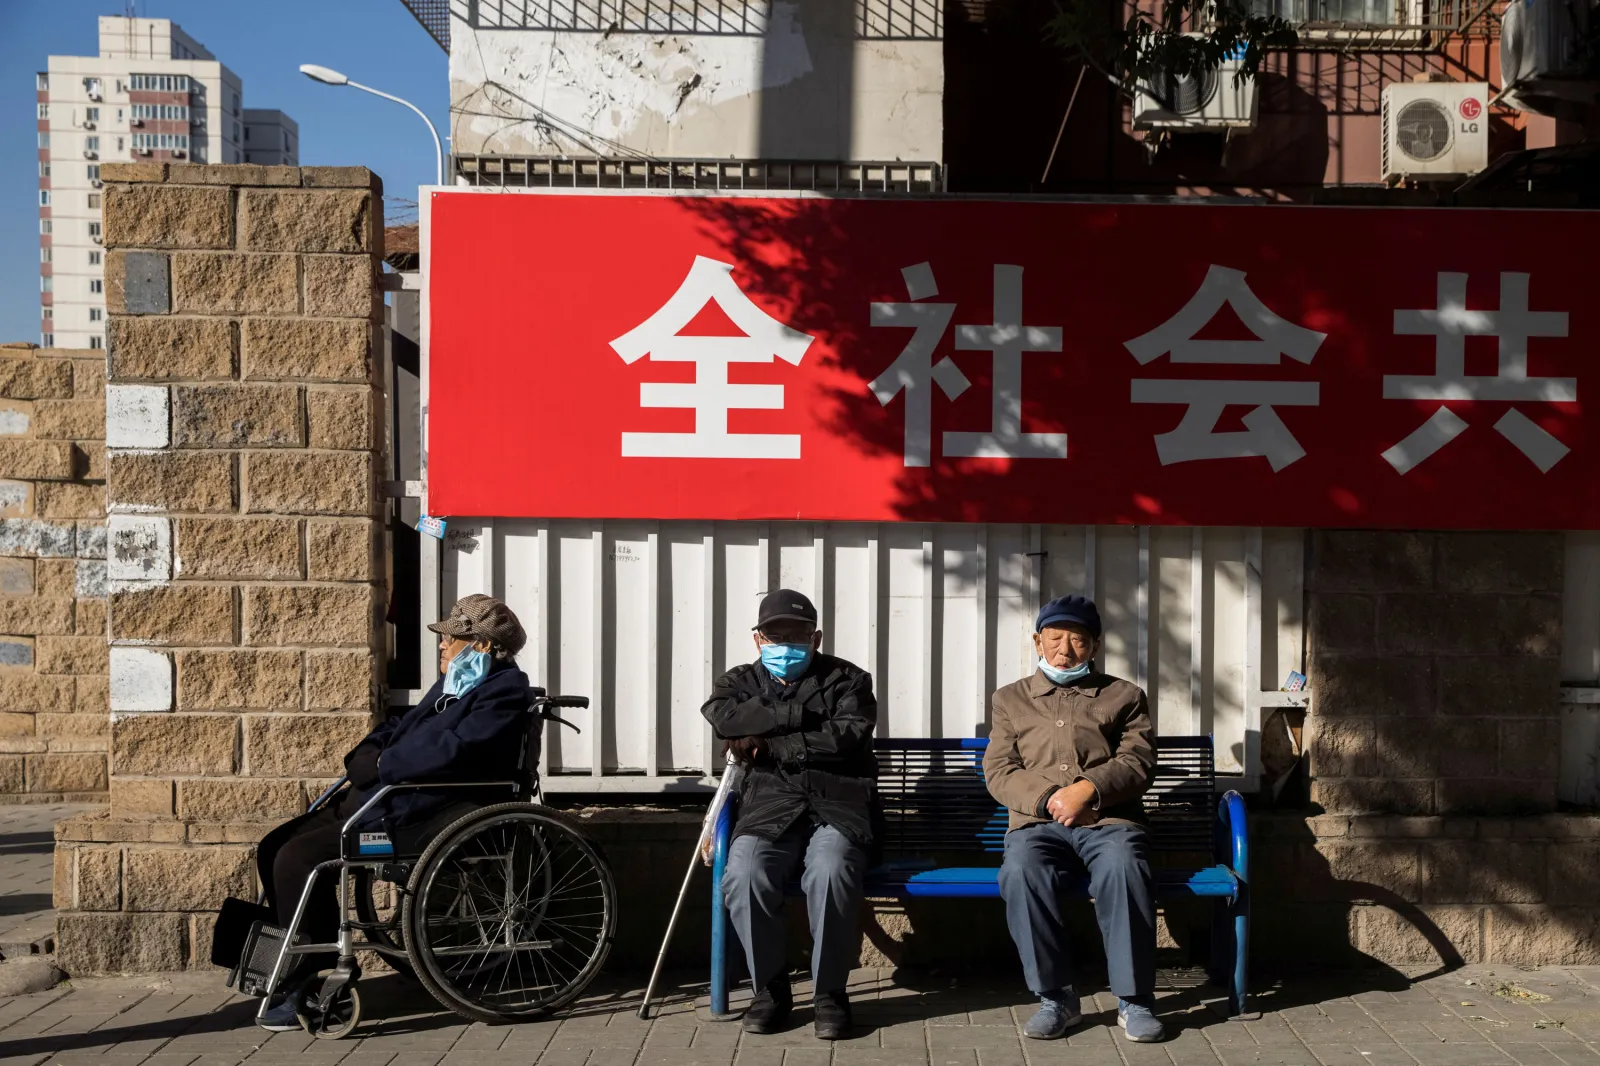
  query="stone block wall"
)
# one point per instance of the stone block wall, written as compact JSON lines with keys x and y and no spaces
{"x":1436,"y":667}
{"x":245,"y":578}
{"x":53,"y":664}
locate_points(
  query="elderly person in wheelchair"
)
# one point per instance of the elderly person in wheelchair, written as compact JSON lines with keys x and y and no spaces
{"x":507,"y":910}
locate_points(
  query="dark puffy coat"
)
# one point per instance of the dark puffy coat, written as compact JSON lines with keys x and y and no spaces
{"x":476,"y":737}
{"x":818,"y":759}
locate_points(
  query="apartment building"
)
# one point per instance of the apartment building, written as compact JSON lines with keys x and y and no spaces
{"x":271,"y":138}
{"x":151,"y":93}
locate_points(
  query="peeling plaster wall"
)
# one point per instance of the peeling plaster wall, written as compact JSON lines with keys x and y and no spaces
{"x":819,"y":92}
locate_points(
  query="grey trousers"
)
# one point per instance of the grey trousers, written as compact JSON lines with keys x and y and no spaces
{"x":752,"y":889}
{"x":1117,"y":859}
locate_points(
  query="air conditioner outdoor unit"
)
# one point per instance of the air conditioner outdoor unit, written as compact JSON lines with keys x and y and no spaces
{"x":1435,"y":130}
{"x":141,"y":151}
{"x":90,"y":153}
{"x":95,"y":183}
{"x":178,"y":153}
{"x":136,"y":123}
{"x":1541,"y":54}
{"x":88,"y":125}
{"x":94,"y":96}
{"x":1207,"y":100}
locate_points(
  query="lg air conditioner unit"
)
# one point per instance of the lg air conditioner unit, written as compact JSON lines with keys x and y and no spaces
{"x":1435,"y":130}
{"x":1205,"y":100}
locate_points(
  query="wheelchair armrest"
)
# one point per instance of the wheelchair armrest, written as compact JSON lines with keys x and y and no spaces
{"x":328,"y":793}
{"x":373,"y":800}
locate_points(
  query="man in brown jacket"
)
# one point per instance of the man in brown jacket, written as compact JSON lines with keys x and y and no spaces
{"x":1070,"y":755}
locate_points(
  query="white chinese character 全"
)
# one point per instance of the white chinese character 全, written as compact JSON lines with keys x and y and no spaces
{"x":1195,"y":436}
{"x":1007,"y":338}
{"x":1450,"y":324}
{"x":710,"y":394}
{"x":914,"y":372}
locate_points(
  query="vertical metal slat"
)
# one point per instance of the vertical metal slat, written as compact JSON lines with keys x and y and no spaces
{"x":652,"y":656}
{"x":597,"y":661}
{"x":1196,"y":627}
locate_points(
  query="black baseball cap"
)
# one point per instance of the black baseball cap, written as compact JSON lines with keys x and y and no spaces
{"x":785,"y":605}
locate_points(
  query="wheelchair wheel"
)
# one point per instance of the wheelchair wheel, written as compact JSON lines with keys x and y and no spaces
{"x":510,"y":913}
{"x":335,"y":1023}
{"x":380,"y":932}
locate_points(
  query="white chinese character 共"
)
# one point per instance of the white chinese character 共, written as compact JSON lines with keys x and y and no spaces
{"x":914,"y":372}
{"x":1195,"y":436}
{"x":1450,"y":324}
{"x":710,"y":394}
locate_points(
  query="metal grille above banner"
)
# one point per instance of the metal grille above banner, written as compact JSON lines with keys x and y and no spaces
{"x":615,"y":355}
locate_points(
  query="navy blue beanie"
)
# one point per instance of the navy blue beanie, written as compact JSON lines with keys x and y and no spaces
{"x":1069,"y":610}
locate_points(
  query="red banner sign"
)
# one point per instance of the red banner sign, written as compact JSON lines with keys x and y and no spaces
{"x":651,"y":356}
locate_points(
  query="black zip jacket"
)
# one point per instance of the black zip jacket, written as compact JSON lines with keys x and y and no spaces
{"x":816,"y":758}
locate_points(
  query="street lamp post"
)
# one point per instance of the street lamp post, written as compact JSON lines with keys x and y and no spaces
{"x":333,"y":77}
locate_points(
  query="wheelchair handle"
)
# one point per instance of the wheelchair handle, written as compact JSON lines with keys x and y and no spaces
{"x":542,"y":706}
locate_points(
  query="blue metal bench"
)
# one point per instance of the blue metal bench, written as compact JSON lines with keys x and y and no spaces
{"x":938,"y":812}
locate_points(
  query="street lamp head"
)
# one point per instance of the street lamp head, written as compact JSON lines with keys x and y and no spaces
{"x":323,"y":74}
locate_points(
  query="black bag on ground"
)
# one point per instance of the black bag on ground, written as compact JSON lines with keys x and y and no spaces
{"x":233,"y":928}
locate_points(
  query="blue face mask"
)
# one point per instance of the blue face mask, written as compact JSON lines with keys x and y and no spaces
{"x":786,"y":661}
{"x":1064,"y":677}
{"x":466,"y":671}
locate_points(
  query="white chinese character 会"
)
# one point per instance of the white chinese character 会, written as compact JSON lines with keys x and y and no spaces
{"x":1450,"y":324}
{"x":1195,"y":436}
{"x":710,"y":394}
{"x":914,"y":372}
{"x":1007,"y":338}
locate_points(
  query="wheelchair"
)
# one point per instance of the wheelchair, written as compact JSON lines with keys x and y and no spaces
{"x":506,"y":913}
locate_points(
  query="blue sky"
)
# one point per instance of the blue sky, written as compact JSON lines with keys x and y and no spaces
{"x":375,"y":42}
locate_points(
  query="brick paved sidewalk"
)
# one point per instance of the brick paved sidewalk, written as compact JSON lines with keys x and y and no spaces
{"x":1477,"y":1016}
{"x":27,"y":843}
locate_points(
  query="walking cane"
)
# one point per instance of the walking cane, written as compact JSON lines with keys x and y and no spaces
{"x":732,"y":775}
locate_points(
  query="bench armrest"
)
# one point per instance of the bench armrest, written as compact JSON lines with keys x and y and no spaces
{"x":1235,"y":834}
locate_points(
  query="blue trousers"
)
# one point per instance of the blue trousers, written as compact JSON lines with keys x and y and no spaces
{"x":752,"y":889}
{"x":1116,"y":858}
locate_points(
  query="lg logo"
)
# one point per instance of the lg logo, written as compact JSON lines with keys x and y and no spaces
{"x":1471,"y":107}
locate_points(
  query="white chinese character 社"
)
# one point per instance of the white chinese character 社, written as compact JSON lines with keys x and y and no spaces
{"x":1007,"y":338}
{"x":1450,"y":324}
{"x":710,"y":394}
{"x":914,"y":372}
{"x":1195,"y":436}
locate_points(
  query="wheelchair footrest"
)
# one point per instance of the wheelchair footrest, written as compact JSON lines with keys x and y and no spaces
{"x":261,"y":948}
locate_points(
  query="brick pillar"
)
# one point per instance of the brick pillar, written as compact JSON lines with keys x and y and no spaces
{"x":53,"y":728}
{"x":1435,"y":660}
{"x":243,"y":550}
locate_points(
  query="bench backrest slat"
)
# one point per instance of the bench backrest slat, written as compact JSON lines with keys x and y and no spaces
{"x":935,"y":800}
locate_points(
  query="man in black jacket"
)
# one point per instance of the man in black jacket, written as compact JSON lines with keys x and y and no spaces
{"x":802,"y":723}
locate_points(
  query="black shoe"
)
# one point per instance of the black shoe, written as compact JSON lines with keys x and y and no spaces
{"x":833,"y":1018}
{"x":769,"y":1011}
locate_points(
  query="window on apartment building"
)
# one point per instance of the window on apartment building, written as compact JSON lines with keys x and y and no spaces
{"x":97,"y":285}
{"x":44,"y":110}
{"x":44,"y":170}
{"x":120,"y":114}
{"x":1345,"y":14}
{"x":48,"y":340}
{"x":47,"y":284}
{"x":235,"y":98}
{"x":247,"y":133}
{"x":94,"y":231}
{"x":44,"y":140}
{"x":94,"y":258}
{"x":91,"y":85}
{"x":168,"y":141}
{"x":159,"y":83}
{"x":42,"y":81}
{"x":94,"y":171}
{"x":97,"y":342}
{"x":95,"y":314}
{"x":119,"y":144}
{"x":172,"y":112}
{"x":91,"y":114}
{"x":45,"y":256}
{"x":91,"y":144}
{"x":44,"y":197}
{"x":49,"y":314}
{"x":94,"y":200}
{"x":45,"y":227}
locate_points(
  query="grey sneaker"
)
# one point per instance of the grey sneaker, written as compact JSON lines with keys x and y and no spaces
{"x":281,"y":1019}
{"x":1139,"y":1023}
{"x":1057,"y":1013}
